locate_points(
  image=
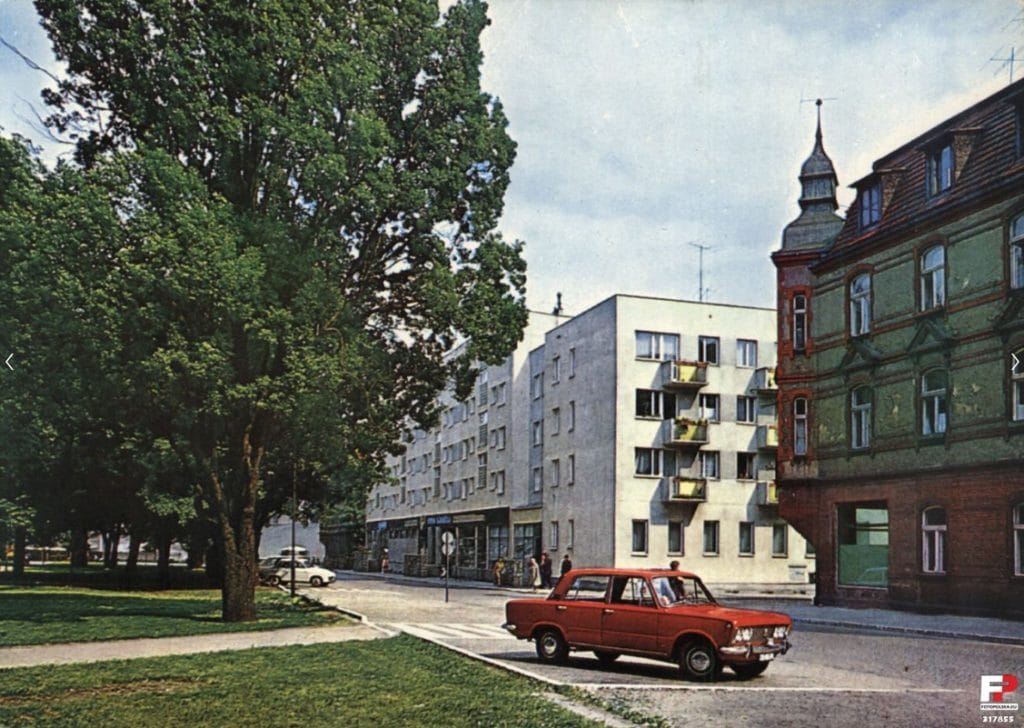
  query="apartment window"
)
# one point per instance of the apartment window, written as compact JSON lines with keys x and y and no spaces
{"x":933,"y":402}
{"x":1017,"y":382}
{"x":709,"y":461}
{"x":556,"y":370}
{"x":800,"y":426}
{"x":780,"y":539}
{"x":639,"y":544}
{"x":1017,"y":253}
{"x":707,"y":349}
{"x":498,"y":438}
{"x":863,"y":542}
{"x":746,"y":353}
{"x":745,"y":466}
{"x":481,"y":471}
{"x":710,"y":538}
{"x":482,"y":389}
{"x":554,"y":535}
{"x":499,"y":393}
{"x":537,"y":432}
{"x":437,"y":481}
{"x":940,"y":169}
{"x":538,"y":479}
{"x":746,"y":410}
{"x":652,"y":345}
{"x":572,"y":416}
{"x":675,"y":538}
{"x":710,"y":407}
{"x":1018,"y":539}
{"x":870,"y":204}
{"x":860,"y":305}
{"x":651,"y":461}
{"x":746,"y":538}
{"x":556,"y":420}
{"x":498,"y":482}
{"x":572,"y":362}
{"x":933,"y":278}
{"x":860,"y":418}
{"x":933,"y":540}
{"x":799,"y":322}
{"x":654,"y":403}
{"x":570,"y":470}
{"x":556,"y":472}
{"x":570,"y":533}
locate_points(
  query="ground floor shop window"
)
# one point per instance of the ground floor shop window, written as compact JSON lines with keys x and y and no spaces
{"x":497,"y":542}
{"x":863,"y":541}
{"x":1018,"y":539}
{"x":526,"y":541}
{"x":933,"y":540}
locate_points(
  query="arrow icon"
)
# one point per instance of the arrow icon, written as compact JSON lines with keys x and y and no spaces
{"x":1016,"y":362}
{"x":7,"y":361}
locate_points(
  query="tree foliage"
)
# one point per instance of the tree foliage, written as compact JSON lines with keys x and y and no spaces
{"x":306,"y":197}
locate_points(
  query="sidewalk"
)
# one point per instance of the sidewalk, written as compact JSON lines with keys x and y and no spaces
{"x":799,"y":607}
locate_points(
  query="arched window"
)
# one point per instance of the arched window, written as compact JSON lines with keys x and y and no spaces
{"x":933,"y":278}
{"x":800,"y":426}
{"x":799,"y":322}
{"x":860,"y":305}
{"x":933,"y":540}
{"x":934,"y":408}
{"x":1017,"y":253}
{"x":860,"y":418}
{"x":1017,"y":387}
{"x":1018,"y":539}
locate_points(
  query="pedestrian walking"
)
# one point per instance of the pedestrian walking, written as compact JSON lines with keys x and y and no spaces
{"x":545,"y":570}
{"x":385,"y":563}
{"x":534,"y":572}
{"x":499,"y":566}
{"x":566,"y":566}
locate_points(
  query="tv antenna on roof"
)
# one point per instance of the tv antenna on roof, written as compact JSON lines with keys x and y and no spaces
{"x":818,"y":100}
{"x":700,"y":268}
{"x":1010,"y":61}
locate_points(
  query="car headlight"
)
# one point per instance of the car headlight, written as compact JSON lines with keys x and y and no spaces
{"x":744,"y":634}
{"x":780,"y":632}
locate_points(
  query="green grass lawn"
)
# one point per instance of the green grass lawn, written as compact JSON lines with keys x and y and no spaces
{"x":50,"y":614}
{"x":389,"y":682}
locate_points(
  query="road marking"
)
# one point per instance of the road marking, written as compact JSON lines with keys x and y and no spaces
{"x":462,"y":631}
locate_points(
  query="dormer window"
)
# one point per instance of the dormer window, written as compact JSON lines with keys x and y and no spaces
{"x":940,"y":169}
{"x":870,"y":204}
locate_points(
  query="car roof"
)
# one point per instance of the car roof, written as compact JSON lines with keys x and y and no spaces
{"x":608,"y":571}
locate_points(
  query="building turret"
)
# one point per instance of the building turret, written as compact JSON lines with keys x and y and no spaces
{"x":818,"y":222}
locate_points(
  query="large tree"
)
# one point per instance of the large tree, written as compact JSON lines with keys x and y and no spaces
{"x":310,"y":210}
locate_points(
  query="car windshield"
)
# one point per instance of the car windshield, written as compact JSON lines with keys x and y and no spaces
{"x":681,"y":590}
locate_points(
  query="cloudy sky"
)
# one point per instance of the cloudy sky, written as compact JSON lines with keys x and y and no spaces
{"x":645,"y":126}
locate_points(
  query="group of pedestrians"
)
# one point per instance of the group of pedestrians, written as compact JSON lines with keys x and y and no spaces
{"x":541,"y":573}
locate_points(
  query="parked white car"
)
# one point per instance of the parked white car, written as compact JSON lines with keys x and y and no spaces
{"x":313,"y":575}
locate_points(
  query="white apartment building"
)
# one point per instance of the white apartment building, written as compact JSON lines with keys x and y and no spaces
{"x":638,"y":432}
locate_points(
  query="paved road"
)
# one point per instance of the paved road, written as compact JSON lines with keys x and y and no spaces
{"x":833,"y":676}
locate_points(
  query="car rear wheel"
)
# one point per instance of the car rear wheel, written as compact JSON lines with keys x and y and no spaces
{"x":551,"y":647}
{"x":606,"y":658}
{"x":750,"y":670}
{"x":273,"y":580}
{"x":315,"y":581}
{"x":699,"y":661}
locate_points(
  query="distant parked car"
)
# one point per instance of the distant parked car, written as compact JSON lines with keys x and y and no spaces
{"x":653,"y":613}
{"x":269,"y":567}
{"x":300,"y":552}
{"x":314,"y":575}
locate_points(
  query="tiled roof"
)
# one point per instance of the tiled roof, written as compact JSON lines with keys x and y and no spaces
{"x":985,"y":132}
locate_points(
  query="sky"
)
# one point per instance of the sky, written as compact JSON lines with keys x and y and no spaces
{"x":648,"y":128}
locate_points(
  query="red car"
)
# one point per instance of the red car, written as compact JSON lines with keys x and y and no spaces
{"x":655,"y":613}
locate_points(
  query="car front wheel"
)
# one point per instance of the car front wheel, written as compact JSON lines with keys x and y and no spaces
{"x":315,"y":581}
{"x":551,"y":647}
{"x":699,"y":661}
{"x":750,"y":670}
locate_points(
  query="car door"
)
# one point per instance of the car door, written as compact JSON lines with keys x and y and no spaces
{"x":580,"y":609}
{"x":630,"y":619}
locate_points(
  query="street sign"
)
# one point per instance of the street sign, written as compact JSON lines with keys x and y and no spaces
{"x":447,"y":543}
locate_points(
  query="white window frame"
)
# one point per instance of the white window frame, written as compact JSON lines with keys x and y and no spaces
{"x":554,"y":535}
{"x":933,"y":277}
{"x":934,"y":403}
{"x":780,"y":532}
{"x":746,"y":529}
{"x":711,"y":407}
{"x":538,"y":479}
{"x":656,"y":346}
{"x":679,"y":529}
{"x":709,"y":345}
{"x":860,"y":418}
{"x":801,"y":408}
{"x":941,"y":164}
{"x":556,"y":472}
{"x":748,"y":457}
{"x":537,"y":433}
{"x":639,"y":545}
{"x":746,"y":409}
{"x":710,"y":464}
{"x":712,"y":529}
{"x":746,"y":353}
{"x":1017,"y":253}
{"x":860,"y":305}
{"x":662,"y":462}
{"x":870,"y":204}
{"x":800,"y":322}
{"x":933,"y":542}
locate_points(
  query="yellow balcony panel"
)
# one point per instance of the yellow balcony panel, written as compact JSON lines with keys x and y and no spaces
{"x":681,"y":374}
{"x":767,"y":437}
{"x":767,"y":493}
{"x":684,"y":432}
{"x":691,"y":490}
{"x":764,"y":380}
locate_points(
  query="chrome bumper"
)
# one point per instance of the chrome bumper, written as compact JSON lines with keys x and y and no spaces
{"x":773,"y":647}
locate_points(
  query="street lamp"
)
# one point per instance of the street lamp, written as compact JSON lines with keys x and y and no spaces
{"x":294,"y":508}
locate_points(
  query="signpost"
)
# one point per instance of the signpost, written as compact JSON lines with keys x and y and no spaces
{"x":447,"y":548}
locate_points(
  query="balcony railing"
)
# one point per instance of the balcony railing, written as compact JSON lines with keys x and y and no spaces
{"x":767,"y":493}
{"x":687,"y":490}
{"x":767,"y":437}
{"x":685,"y":374}
{"x":685,"y":432}
{"x":764,"y":380}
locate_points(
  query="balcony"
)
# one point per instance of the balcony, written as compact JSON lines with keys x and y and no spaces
{"x":687,"y":490}
{"x":683,"y":432}
{"x":767,"y":493}
{"x":767,"y":437}
{"x":764,"y":381}
{"x":684,"y":375}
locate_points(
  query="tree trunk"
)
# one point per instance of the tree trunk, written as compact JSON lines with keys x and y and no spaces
{"x":20,"y":539}
{"x":238,"y":538}
{"x":134,"y":544}
{"x":163,"y":559}
{"x":79,"y":547}
{"x":111,"y":539}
